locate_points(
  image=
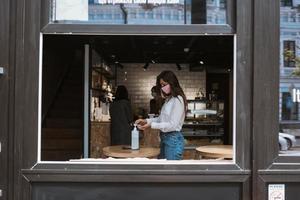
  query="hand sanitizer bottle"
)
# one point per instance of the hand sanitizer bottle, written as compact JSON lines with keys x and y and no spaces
{"x":134,"y":139}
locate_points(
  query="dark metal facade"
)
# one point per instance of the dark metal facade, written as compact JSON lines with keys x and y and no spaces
{"x":256,"y":25}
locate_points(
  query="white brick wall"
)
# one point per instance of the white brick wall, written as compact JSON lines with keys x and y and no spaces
{"x":140,"y":82}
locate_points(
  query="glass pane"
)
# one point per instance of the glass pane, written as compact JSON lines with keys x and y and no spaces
{"x":94,"y":89}
{"x":289,"y":99}
{"x":155,"y":12}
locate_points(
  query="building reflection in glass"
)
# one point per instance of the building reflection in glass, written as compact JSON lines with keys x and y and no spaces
{"x":156,"y":12}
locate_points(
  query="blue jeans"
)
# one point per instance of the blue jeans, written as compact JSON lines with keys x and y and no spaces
{"x":171,"y":145}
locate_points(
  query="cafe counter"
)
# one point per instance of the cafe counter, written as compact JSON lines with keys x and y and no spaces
{"x":100,"y":137}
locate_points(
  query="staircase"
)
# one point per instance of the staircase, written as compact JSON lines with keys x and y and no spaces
{"x":62,"y":131}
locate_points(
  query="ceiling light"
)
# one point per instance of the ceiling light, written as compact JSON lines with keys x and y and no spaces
{"x":146,"y":66}
{"x":201,"y":62}
{"x":186,"y":50}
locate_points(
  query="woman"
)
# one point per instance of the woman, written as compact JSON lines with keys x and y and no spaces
{"x":121,"y":118}
{"x":171,"y":118}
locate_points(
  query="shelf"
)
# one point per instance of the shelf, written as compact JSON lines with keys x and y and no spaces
{"x":203,"y":100}
{"x":104,"y":72}
{"x":95,"y":92}
{"x":186,"y":125}
{"x":203,"y":112}
{"x":195,"y":134}
{"x":98,"y":89}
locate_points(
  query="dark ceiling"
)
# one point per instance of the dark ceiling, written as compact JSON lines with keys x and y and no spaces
{"x":215,"y":52}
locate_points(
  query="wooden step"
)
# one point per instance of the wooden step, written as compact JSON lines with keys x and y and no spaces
{"x":70,"y":87}
{"x":68,"y":107}
{"x":68,"y":100}
{"x":69,"y":97}
{"x":75,"y":70}
{"x":62,"y":144}
{"x":66,"y":103}
{"x":52,"y":155}
{"x":75,"y":77}
{"x":73,"y":82}
{"x":61,"y":133}
{"x":63,"y":123}
{"x":65,"y":113}
{"x":72,"y":92}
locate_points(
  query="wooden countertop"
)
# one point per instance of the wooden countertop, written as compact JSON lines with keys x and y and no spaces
{"x":216,"y":151}
{"x":123,"y":151}
{"x":100,"y":122}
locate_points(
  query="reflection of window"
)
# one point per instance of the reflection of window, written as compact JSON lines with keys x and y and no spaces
{"x":289,"y":53}
{"x":179,"y":12}
{"x":222,"y":3}
{"x":284,"y":17}
{"x":289,"y":108}
{"x":150,"y":15}
{"x":287,"y":3}
{"x":293,"y":17}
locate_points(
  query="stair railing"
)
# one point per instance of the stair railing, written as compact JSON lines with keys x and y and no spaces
{"x":58,"y":87}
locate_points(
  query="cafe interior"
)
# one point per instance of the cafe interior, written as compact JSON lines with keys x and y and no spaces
{"x":80,"y":75}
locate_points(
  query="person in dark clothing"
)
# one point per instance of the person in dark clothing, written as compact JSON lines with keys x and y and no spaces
{"x":121,"y":118}
{"x":156,"y":102}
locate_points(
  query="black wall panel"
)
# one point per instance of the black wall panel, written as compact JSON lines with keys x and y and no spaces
{"x":292,"y":191}
{"x":135,"y":191}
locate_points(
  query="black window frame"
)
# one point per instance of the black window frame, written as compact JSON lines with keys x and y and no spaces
{"x":268,"y":161}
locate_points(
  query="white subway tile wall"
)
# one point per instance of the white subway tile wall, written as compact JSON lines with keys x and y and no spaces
{"x":140,"y":82}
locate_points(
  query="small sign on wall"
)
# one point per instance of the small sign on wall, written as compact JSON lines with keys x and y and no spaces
{"x":276,"y":192}
{"x":71,"y":10}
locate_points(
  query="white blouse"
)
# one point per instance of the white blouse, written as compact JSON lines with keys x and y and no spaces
{"x":171,"y":117}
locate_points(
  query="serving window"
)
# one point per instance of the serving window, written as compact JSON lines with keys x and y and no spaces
{"x":80,"y":77}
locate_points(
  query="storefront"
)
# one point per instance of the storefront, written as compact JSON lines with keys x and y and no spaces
{"x":63,"y":60}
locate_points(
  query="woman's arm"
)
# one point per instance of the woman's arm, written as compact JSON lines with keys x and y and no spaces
{"x":151,"y":120}
{"x":174,"y":119}
{"x":146,"y":123}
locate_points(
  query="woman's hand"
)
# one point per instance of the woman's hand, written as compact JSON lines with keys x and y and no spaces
{"x":144,"y":127}
{"x":141,"y":122}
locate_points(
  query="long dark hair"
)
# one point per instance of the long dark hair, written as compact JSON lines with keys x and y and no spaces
{"x":176,"y":90}
{"x":121,"y":93}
